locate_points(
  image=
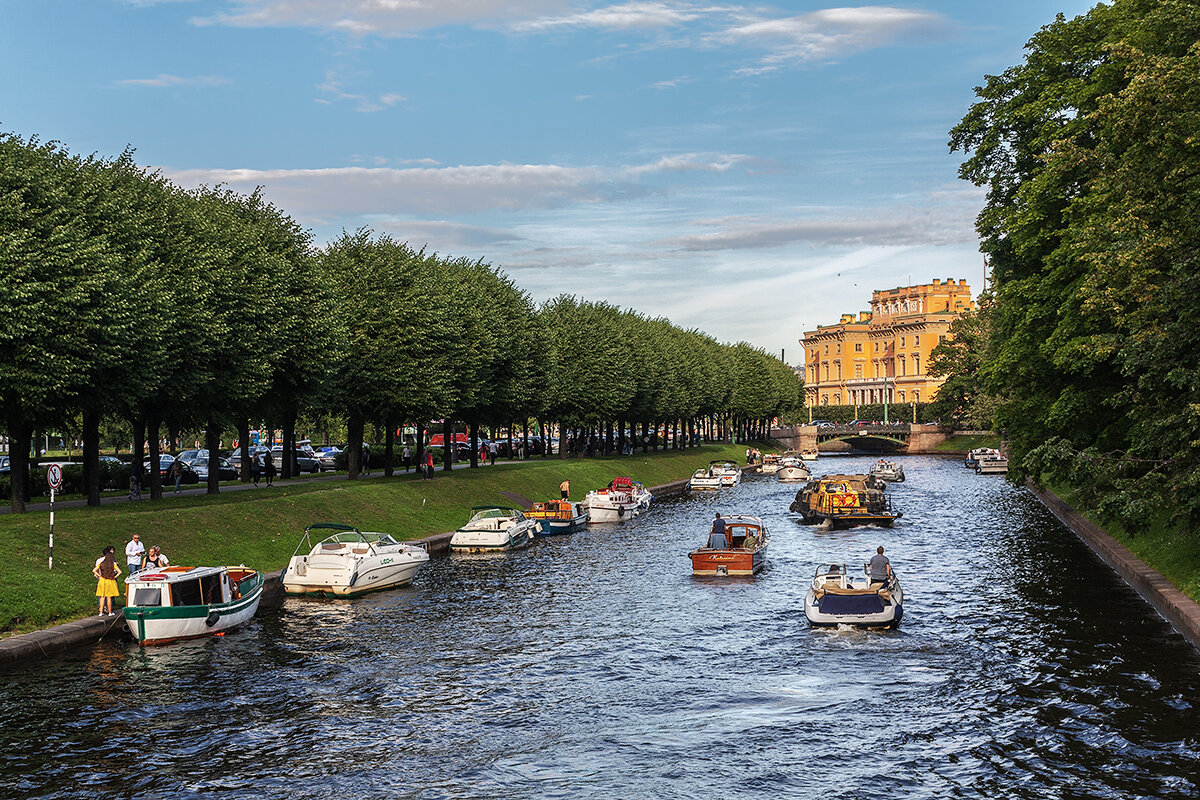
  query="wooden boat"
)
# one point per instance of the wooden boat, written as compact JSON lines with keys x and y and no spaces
{"x":792,"y":470}
{"x":173,"y":603}
{"x":558,"y":516}
{"x":887,"y":471}
{"x":493,"y":529}
{"x":348,"y":562}
{"x":741,"y":550}
{"x":835,"y":598}
{"x":845,"y":501}
{"x":704,"y":480}
{"x":614,"y":503}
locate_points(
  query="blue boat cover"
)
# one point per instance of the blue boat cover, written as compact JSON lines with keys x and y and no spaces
{"x":851,"y":604}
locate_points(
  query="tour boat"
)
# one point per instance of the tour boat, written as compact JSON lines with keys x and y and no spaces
{"x":769,"y":465}
{"x":614,"y":503}
{"x":349,"y":562}
{"x":845,"y":501}
{"x":704,"y":480}
{"x":792,"y":470}
{"x":494,"y":529}
{"x":973,"y":456}
{"x":887,"y":471}
{"x":741,"y":550}
{"x":729,"y":472}
{"x":558,"y":516}
{"x":164,"y":605}
{"x":837,"y":598}
{"x":809,"y":455}
{"x":991,"y":464}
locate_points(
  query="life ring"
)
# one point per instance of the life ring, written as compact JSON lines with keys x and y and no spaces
{"x":149,"y":577}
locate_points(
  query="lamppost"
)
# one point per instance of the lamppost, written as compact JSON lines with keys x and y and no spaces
{"x":885,"y":396}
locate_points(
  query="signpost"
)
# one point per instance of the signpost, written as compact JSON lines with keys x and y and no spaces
{"x":54,"y":478}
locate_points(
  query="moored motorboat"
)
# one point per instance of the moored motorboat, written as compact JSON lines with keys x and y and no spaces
{"x":740,"y":550}
{"x":792,"y":470}
{"x":809,"y":455}
{"x":348,"y":562}
{"x":991,"y":464}
{"x":974,"y":456}
{"x":837,"y":598}
{"x":641,"y":495}
{"x":704,"y":480}
{"x":558,"y":516}
{"x":614,"y":503}
{"x":728,"y":471}
{"x":889,"y":471}
{"x":769,"y":465}
{"x":172,"y":603}
{"x":494,"y":529}
{"x":845,"y":501}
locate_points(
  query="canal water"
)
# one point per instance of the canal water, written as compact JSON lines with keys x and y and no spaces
{"x":596,"y":666}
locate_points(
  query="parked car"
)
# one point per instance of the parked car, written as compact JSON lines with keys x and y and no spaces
{"x":164,"y":465}
{"x":327,"y":459}
{"x":822,"y":423}
{"x":5,"y":465}
{"x":190,"y":457}
{"x":861,"y":423}
{"x":304,"y":462}
{"x":226,"y":470}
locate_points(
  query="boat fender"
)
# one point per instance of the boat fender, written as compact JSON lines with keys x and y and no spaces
{"x":620,"y":511}
{"x":212,"y":618}
{"x":354,"y":578}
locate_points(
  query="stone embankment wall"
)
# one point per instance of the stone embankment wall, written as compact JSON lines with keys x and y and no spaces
{"x":1177,"y":608}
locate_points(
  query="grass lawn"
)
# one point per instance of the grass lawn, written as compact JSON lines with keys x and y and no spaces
{"x":961,"y":444}
{"x":260,"y":528}
{"x":1172,"y":552}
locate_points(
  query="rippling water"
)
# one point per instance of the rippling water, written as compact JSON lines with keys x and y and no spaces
{"x":595,"y":665}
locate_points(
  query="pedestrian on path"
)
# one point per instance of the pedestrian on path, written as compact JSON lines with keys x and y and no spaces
{"x":406,"y":457}
{"x":254,"y":469}
{"x":106,"y":572}
{"x":429,"y":464}
{"x":134,"y":551}
{"x":176,"y":472}
{"x":269,"y":465}
{"x":135,"y":483}
{"x":492,"y":454}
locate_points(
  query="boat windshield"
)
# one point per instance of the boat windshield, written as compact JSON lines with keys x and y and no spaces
{"x":494,"y":513}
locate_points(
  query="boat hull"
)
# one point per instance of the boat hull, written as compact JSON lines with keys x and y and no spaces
{"x":733,"y":563}
{"x":606,"y":513}
{"x":554,"y":527}
{"x":859,"y":610}
{"x":844,"y":521}
{"x":342,"y":582}
{"x":792,"y":475}
{"x":472,"y":542}
{"x":154,"y":625}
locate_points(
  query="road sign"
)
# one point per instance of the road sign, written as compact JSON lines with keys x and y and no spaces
{"x":54,"y":476}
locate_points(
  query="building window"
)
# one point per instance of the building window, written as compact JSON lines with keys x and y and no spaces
{"x":901,"y":395}
{"x":839,"y":347}
{"x":824,"y":399}
{"x":839,"y":366}
{"x":916,"y":364}
{"x":916,"y":341}
{"x":858,"y":347}
{"x":900,"y":364}
{"x":877,"y":347}
{"x":826,"y":349}
{"x":902,"y":341}
{"x":858,"y":370}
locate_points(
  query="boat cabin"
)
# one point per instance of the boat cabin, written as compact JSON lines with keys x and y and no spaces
{"x":492,"y":518}
{"x":741,"y":533}
{"x":555,"y":509}
{"x":186,"y":586}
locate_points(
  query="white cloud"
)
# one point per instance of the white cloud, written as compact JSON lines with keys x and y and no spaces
{"x":387,"y":18}
{"x":625,"y":16}
{"x":166,"y":81}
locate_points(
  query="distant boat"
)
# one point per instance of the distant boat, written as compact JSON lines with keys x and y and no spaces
{"x":887,"y":471}
{"x":617,"y":502}
{"x":172,"y":603}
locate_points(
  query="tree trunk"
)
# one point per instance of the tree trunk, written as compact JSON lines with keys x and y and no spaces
{"x":288,"y":466}
{"x":91,"y":454}
{"x":153,"y":423}
{"x":212,"y":443}
{"x":138,"y":455}
{"x":354,"y":440}
{"x":389,"y":447}
{"x":20,"y":438}
{"x":448,"y":445}
{"x":473,"y":426}
{"x":420,"y":454}
{"x":525,"y":437}
{"x":243,"y":431}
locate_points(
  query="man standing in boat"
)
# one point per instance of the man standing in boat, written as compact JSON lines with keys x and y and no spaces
{"x":880,"y":567}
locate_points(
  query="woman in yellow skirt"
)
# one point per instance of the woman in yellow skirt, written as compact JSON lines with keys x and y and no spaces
{"x":106,"y":572}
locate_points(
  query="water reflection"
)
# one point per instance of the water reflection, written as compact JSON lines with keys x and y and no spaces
{"x":595,"y":665}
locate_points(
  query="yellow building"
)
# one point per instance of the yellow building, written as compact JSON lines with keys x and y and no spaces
{"x":883,"y":352}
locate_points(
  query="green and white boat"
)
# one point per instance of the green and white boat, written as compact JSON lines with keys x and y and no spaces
{"x":175,"y":603}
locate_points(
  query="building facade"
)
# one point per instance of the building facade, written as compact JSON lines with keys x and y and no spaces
{"x":882,"y":354}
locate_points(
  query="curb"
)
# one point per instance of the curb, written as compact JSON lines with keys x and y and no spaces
{"x":1181,"y":611}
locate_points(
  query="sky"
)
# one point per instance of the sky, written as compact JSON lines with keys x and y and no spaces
{"x":748,"y":170}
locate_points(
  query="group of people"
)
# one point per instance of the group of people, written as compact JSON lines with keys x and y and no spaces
{"x":753,"y":456}
{"x":137,"y":559}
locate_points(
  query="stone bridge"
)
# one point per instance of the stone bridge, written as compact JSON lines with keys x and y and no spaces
{"x":894,"y":437}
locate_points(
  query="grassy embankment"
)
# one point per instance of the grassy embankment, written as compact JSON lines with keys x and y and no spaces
{"x":260,"y":527}
{"x":1168,"y":549}
{"x":961,"y":444}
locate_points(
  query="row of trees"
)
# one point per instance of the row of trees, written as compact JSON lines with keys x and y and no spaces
{"x":1088,"y":350}
{"x":128,"y":296}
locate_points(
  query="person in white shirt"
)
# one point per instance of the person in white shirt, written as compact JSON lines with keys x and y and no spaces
{"x":134,"y":551}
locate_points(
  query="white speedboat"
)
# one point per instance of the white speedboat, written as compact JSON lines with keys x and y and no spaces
{"x":703,"y":480}
{"x":641,"y":495}
{"x":991,"y":464}
{"x":809,"y":455}
{"x":494,"y":529}
{"x":974,"y":456}
{"x":792,"y":470}
{"x":348,"y":562}
{"x":769,"y":465}
{"x":887,"y":471}
{"x":728,"y":471}
{"x":164,"y":605}
{"x":614,"y":503}
{"x":837,"y":598}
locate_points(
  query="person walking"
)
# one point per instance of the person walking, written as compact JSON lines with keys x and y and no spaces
{"x":429,"y":464}
{"x":106,"y":572}
{"x":564,"y":489}
{"x":254,"y":469}
{"x":134,"y":551}
{"x":406,"y":457}
{"x":366,"y":460}
{"x":492,"y":453}
{"x":135,"y":482}
{"x":269,"y":467}
{"x":176,"y":472}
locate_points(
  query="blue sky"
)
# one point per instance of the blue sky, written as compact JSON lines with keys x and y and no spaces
{"x":748,"y":170}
